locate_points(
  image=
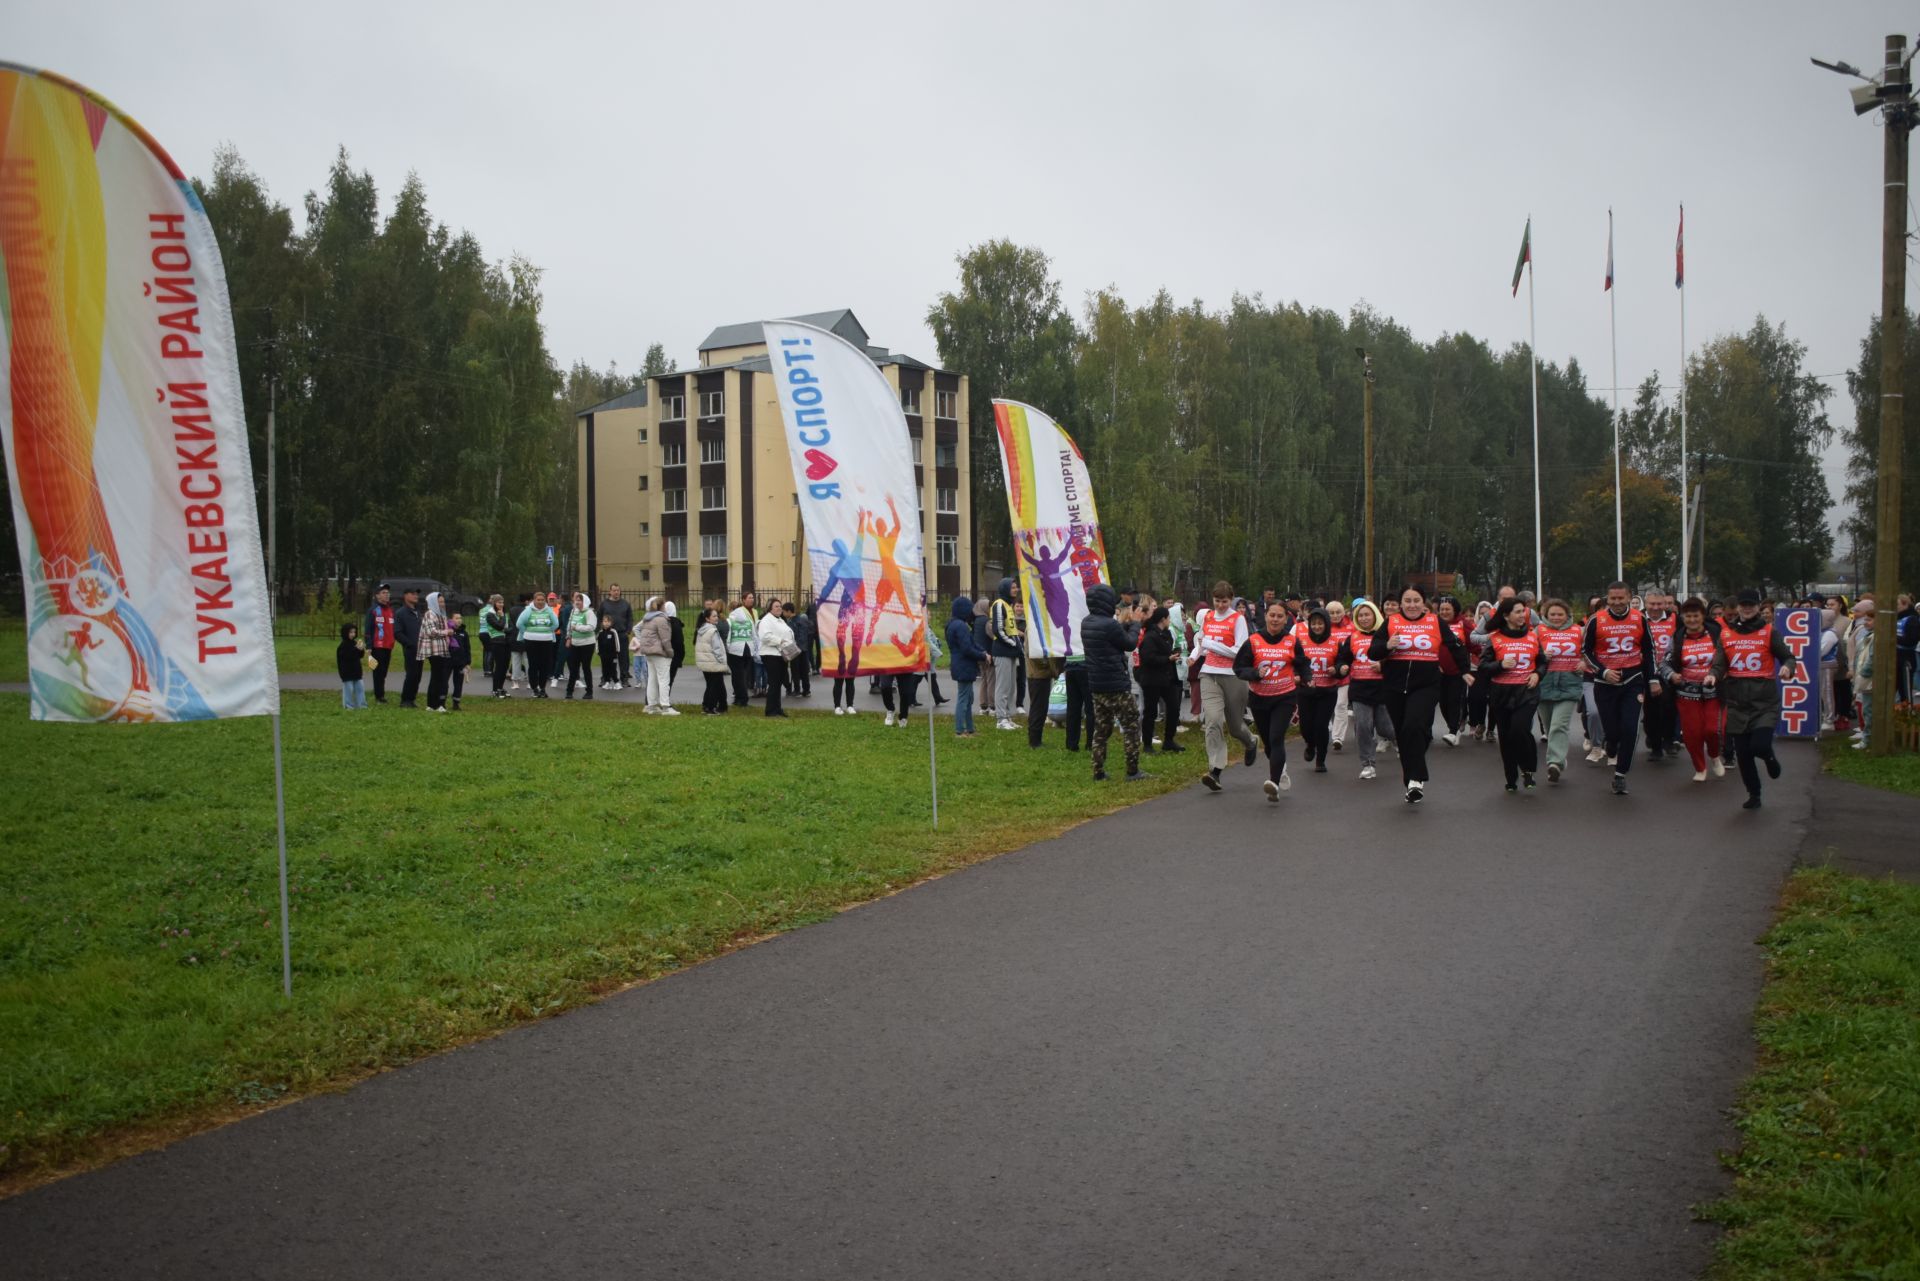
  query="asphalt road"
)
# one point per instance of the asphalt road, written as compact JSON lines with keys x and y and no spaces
{"x":1208,"y":1037}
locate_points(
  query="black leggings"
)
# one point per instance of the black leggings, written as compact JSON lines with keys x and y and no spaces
{"x":908,"y":683}
{"x":715,"y":697}
{"x":1271,"y":719}
{"x":1412,"y":713}
{"x":1619,"y":719}
{"x":580,"y":666}
{"x":1749,"y":746}
{"x":1510,"y":715}
{"x":502,"y":664}
{"x":1316,"y":719}
{"x":1164,"y":699}
{"x":1478,"y":700}
{"x":539,"y":665}
{"x":843,"y":691}
{"x":776,"y":669}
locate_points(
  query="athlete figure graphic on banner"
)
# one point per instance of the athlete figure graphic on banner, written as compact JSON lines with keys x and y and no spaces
{"x":1052,"y":570}
{"x":890,"y":583}
{"x":79,"y":640}
{"x":849,"y":575}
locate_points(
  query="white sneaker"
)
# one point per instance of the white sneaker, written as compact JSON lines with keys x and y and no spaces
{"x":1272,"y":790}
{"x":1367,"y":771}
{"x":1717,"y":767}
{"x":838,"y":711}
{"x":1008,"y":725}
{"x":850,"y":711}
{"x":890,"y":720}
{"x":669,"y":711}
{"x":1451,"y":740}
{"x":1699,"y":776}
{"x":1286,"y":779}
{"x":648,"y":709}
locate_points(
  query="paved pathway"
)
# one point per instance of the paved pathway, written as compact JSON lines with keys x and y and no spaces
{"x":1207,"y":1037}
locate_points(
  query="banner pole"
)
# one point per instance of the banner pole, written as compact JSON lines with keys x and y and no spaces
{"x":1613,"y":330}
{"x":933,"y":765}
{"x":280,"y":809}
{"x":1533,"y":357}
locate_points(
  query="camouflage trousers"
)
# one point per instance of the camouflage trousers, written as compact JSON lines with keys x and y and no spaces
{"x":1111,"y":711}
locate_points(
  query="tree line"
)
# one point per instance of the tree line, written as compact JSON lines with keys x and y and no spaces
{"x":1227,"y":442}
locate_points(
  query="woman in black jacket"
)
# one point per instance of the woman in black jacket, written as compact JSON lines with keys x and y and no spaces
{"x":1106,"y":640}
{"x":1275,"y":669}
{"x":1408,"y":650}
{"x":1159,"y":682}
{"x":1510,"y":669}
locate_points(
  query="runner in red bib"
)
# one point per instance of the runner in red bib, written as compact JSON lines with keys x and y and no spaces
{"x":1408,"y":649}
{"x":1660,"y":716}
{"x":1321,"y":650}
{"x":1751,"y":658}
{"x":1365,"y":690}
{"x":1688,"y":672}
{"x":1275,"y":671}
{"x":1618,"y":643}
{"x":1561,"y":689}
{"x":1511,"y":668}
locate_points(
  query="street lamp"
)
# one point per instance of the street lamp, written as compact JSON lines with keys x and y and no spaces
{"x":1891,"y":92}
{"x":1366,"y":451}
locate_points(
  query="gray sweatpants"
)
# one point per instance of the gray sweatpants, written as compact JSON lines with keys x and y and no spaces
{"x":1223,"y":706}
{"x":1006,"y":672}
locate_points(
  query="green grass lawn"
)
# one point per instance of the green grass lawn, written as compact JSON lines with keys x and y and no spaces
{"x":452,"y":875}
{"x":1828,"y":1172}
{"x":1896,"y":773}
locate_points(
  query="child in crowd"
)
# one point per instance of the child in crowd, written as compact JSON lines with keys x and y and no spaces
{"x":349,"y":658}
{"x":459,"y":656}
{"x":608,"y":641}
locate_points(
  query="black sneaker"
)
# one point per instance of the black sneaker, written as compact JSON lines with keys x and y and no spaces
{"x":1210,"y":781}
{"x":1253,"y":754}
{"x":1773,"y":766}
{"x":1099,"y":776}
{"x":1320,"y":766}
{"x":1752,"y":802}
{"x":1513,"y":787}
{"x":1619,"y":784}
{"x":1416,"y":792}
{"x":1135,"y":775}
{"x":1526,"y":781}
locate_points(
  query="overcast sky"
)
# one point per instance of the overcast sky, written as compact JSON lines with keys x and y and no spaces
{"x":676,"y":167}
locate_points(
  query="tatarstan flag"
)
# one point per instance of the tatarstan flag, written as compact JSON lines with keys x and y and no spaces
{"x":1526,"y":256}
{"x":1680,"y":252}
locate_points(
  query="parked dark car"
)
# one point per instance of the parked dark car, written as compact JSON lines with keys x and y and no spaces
{"x":458,"y":602}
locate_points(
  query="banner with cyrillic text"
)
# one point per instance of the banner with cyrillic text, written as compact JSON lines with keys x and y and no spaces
{"x":120,"y":406}
{"x":1056,"y":528}
{"x":853,"y":469}
{"x":1800,"y":710}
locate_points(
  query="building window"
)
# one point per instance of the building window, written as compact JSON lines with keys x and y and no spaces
{"x":946,"y":455}
{"x":946,"y":404}
{"x":946,"y":500}
{"x":673,"y":455}
{"x":646,"y":527}
{"x":643,"y":435}
{"x":676,"y":548}
{"x":673,"y":500}
{"x":910,"y":400}
{"x":713,"y":547}
{"x":713,"y":498}
{"x":795,"y":551}
{"x":643,"y":481}
{"x":713,"y":450}
{"x":646,"y":575}
{"x":713,"y":404}
{"x":673,"y":409}
{"x":949,"y":548}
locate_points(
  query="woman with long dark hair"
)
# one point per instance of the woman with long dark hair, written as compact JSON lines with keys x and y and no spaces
{"x":1408,"y":649}
{"x":1511,"y":667}
{"x":1274,"y":668}
{"x":1321,"y":649}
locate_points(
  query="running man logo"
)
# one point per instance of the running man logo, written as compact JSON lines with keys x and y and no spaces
{"x":1800,"y":696}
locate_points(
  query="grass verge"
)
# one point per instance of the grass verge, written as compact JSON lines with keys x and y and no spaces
{"x":1828,"y":1172}
{"x":451,"y":875}
{"x":1897,"y":773}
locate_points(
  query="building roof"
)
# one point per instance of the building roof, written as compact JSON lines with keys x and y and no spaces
{"x":629,"y":400}
{"x":745,"y":334}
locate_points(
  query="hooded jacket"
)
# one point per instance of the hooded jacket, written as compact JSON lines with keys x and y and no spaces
{"x":964,"y":654}
{"x":1106,"y":642}
{"x":1752,"y":702}
{"x":347,"y":658}
{"x":536,"y":623}
{"x":710,"y":649}
{"x":654,"y":636}
{"x":432,"y":638}
{"x":1157,"y":668}
{"x":1359,"y":644}
{"x":582,"y":623}
{"x":1003,"y":628}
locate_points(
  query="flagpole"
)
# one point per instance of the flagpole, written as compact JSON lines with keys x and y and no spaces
{"x":280,"y":809}
{"x":1533,"y":357}
{"x":1686,"y":539}
{"x":1613,"y":329}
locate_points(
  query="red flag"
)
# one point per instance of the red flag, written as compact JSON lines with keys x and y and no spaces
{"x":1609,"y":283}
{"x":1680,"y":252}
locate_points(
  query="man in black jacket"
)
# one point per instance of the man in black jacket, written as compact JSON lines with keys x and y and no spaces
{"x":621,"y":612}
{"x":1106,"y":640}
{"x":406,"y":634}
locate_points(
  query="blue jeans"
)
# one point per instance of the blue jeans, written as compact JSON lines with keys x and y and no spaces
{"x":353,"y":695}
{"x":963,"y":707}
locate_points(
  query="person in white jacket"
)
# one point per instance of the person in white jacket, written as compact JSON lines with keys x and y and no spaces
{"x":774,"y":638}
{"x":582,"y":623}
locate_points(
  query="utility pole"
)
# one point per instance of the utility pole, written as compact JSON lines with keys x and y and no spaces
{"x":1896,"y":95}
{"x":1366,"y":449}
{"x":273,"y":524}
{"x":1891,"y":93}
